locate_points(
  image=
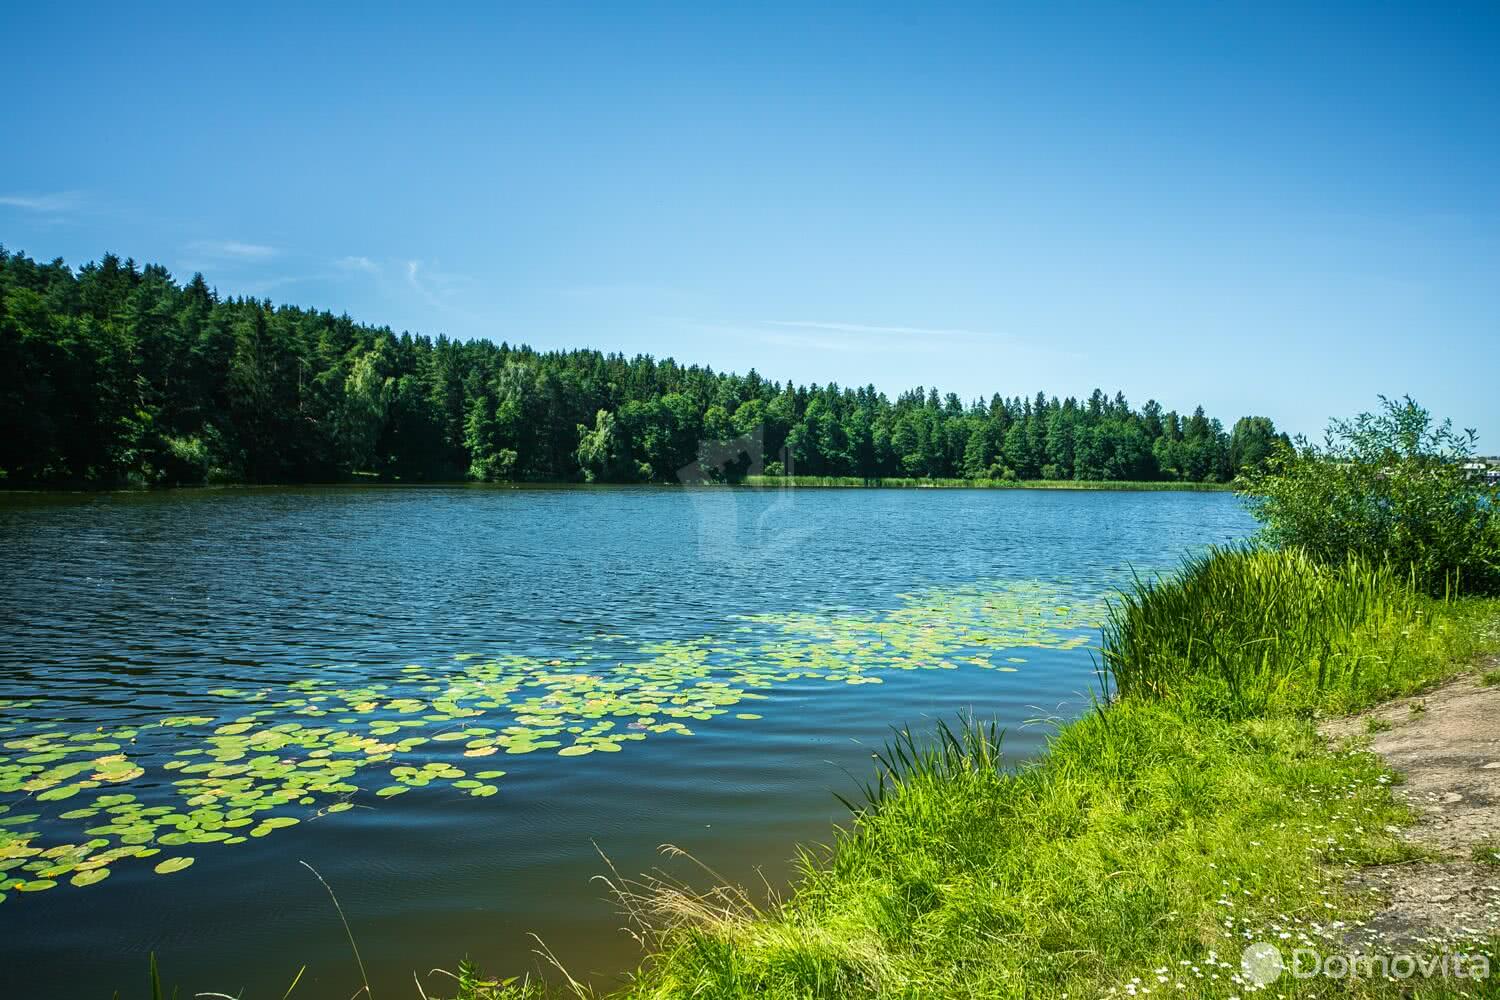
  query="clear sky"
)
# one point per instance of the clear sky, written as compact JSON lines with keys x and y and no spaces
{"x":1276,"y":211}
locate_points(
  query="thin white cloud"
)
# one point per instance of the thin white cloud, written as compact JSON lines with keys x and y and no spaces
{"x":234,"y":249}
{"x":53,"y":203}
{"x":439,"y":289}
{"x":628,"y":291}
{"x":866,"y":338}
{"x":355,"y":263}
{"x":814,"y":343}
{"x":814,"y":339}
{"x":866,"y":328}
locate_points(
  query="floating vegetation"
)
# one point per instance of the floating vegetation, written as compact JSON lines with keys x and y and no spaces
{"x":249,"y":762}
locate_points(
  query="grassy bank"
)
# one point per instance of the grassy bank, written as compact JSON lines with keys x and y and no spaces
{"x":984,"y":484}
{"x":1152,"y":843}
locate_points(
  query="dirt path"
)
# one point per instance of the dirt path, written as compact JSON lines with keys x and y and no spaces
{"x":1446,"y":745}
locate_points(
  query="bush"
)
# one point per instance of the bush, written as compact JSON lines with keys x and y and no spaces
{"x":1388,"y":486}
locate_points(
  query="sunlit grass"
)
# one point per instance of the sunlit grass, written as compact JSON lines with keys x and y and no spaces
{"x":1241,"y":632}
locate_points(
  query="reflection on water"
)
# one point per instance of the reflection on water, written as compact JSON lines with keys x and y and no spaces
{"x":205,"y":687}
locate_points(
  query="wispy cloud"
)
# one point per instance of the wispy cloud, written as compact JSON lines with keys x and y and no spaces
{"x":53,"y":203}
{"x":848,"y":338}
{"x":813,"y":342}
{"x":879,"y":331}
{"x":354,"y":263}
{"x":777,"y":335}
{"x":628,"y":291}
{"x":439,"y":289}
{"x":414,"y":279}
{"x":233,"y":249}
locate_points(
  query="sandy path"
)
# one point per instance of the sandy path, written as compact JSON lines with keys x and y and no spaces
{"x":1446,"y":745}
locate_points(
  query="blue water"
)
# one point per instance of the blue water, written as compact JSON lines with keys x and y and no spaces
{"x":120,"y":609}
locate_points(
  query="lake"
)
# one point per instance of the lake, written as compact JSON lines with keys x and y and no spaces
{"x":451,"y":702}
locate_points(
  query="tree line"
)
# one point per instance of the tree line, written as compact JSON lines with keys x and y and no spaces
{"x":115,"y":373}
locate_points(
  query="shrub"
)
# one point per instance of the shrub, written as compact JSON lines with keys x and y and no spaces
{"x":1388,"y":486}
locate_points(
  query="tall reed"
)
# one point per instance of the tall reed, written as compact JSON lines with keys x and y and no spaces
{"x":1244,"y":631}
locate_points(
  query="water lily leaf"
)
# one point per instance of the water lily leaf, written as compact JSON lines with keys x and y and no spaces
{"x":171,"y":865}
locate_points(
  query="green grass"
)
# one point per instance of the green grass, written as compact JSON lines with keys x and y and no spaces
{"x":1490,"y":678}
{"x":1242,"y":632}
{"x":984,"y":484}
{"x":1156,"y":838}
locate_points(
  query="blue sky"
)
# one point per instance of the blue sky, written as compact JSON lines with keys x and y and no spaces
{"x":1277,"y":211}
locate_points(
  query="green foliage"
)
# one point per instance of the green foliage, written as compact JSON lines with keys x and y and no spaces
{"x":1386,"y":486}
{"x":604,"y":451}
{"x":1252,"y":442}
{"x":1243,"y":632}
{"x":117,"y":374}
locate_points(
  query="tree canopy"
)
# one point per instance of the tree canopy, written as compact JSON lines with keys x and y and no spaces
{"x":116,"y":373}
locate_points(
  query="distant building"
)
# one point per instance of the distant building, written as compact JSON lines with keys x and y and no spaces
{"x":1487,"y":469}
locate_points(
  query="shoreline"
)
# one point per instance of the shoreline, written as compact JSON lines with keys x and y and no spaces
{"x":1155,"y":843}
{"x":750,"y":483}
{"x":1120,"y":485}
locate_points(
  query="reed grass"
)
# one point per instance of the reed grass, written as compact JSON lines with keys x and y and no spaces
{"x":1246,"y":631}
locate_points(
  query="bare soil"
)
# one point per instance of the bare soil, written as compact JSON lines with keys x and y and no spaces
{"x":1446,"y":745}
